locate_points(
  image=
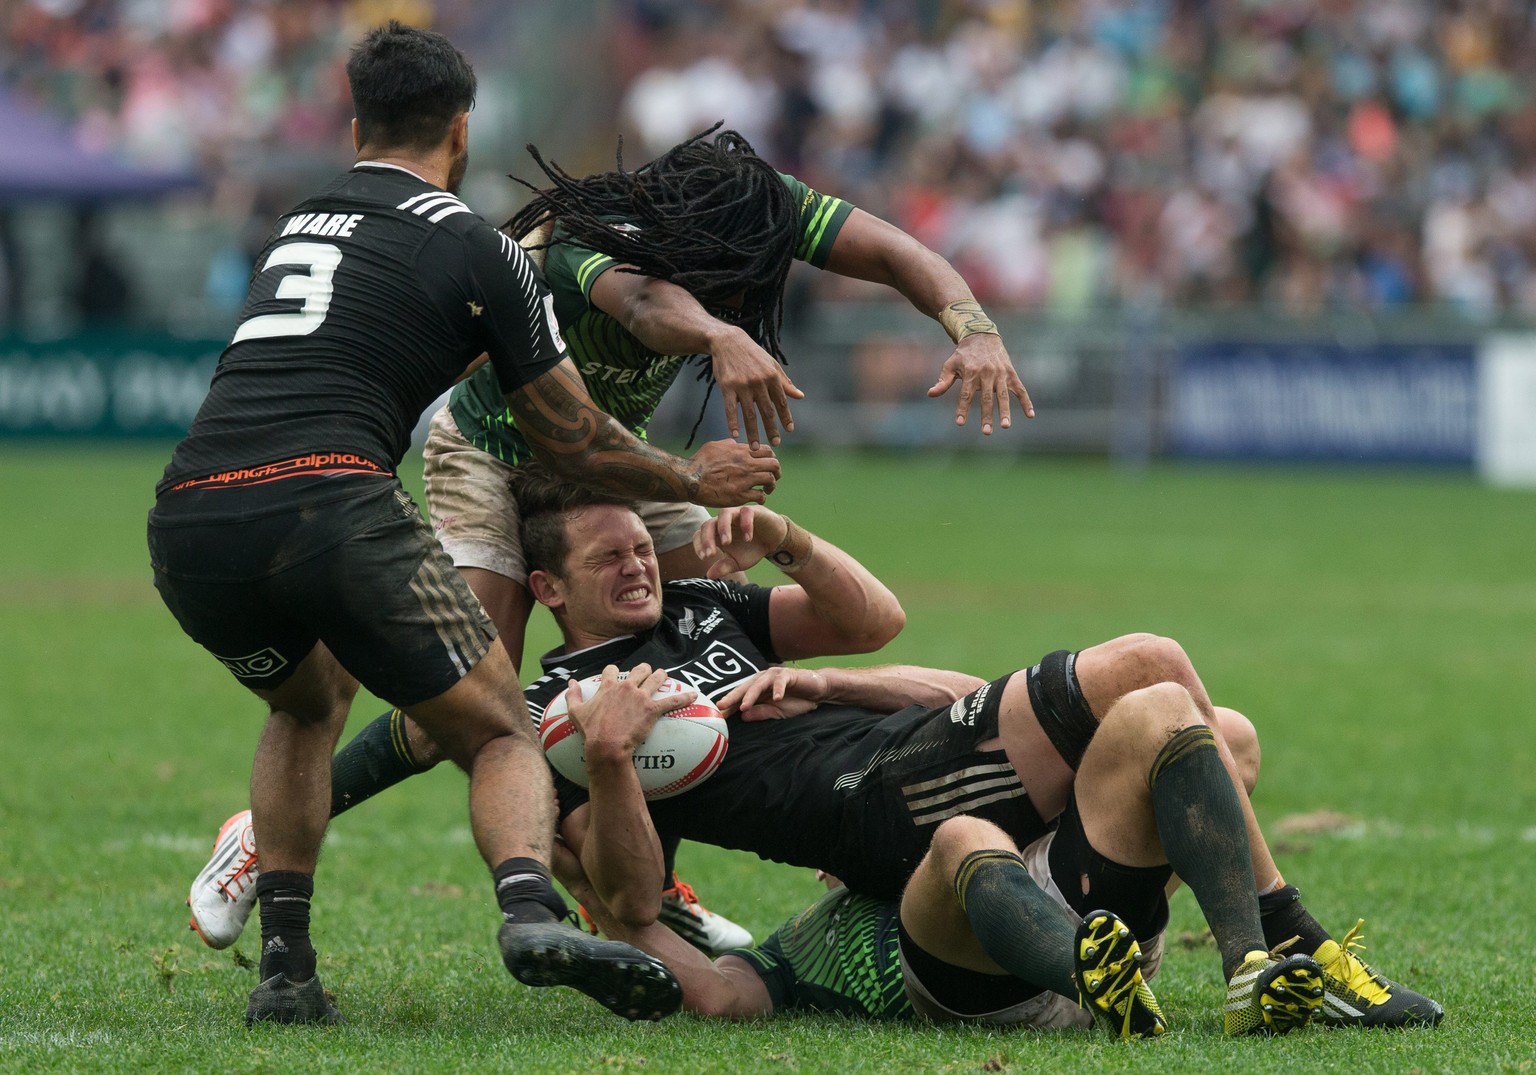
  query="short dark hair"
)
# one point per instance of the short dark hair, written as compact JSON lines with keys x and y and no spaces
{"x":544,"y":504}
{"x":407,"y":86}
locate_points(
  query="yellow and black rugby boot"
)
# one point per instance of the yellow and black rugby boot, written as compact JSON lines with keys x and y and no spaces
{"x":1273,"y":996}
{"x":1358,"y":995}
{"x":1107,"y":970}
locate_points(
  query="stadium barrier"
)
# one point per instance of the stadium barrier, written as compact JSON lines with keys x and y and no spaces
{"x":1134,"y":385}
{"x":103,"y":384}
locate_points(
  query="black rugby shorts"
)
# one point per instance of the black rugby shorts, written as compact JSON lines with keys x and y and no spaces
{"x":363,"y":574}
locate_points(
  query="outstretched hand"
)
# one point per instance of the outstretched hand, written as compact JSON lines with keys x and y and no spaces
{"x":775,"y":693}
{"x":753,"y":384}
{"x":981,"y":364}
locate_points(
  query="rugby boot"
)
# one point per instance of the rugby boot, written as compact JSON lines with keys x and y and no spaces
{"x":1273,"y":996}
{"x":224,"y":894}
{"x":278,"y":1000}
{"x":1357,"y":995}
{"x":1107,"y":963}
{"x":711,"y":933}
{"x":618,"y":976}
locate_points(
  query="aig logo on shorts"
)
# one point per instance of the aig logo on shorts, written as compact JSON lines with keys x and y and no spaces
{"x":256,"y":665}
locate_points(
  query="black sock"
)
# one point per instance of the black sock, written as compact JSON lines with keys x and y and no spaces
{"x":1284,"y":917}
{"x":284,"y":896}
{"x":1018,"y":925}
{"x":1200,"y":822}
{"x":377,"y":757}
{"x":525,"y":893}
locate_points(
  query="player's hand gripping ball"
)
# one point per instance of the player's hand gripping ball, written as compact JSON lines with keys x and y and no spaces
{"x":682,"y":750}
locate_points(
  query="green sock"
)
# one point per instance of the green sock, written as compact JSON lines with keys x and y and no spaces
{"x":377,"y":757}
{"x":1200,"y":822}
{"x":1018,"y":925}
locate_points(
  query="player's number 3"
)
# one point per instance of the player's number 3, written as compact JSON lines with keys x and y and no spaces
{"x":313,"y":286}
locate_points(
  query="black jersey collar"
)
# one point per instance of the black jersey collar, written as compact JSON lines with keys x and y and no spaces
{"x":600,"y":656}
{"x":391,"y":167}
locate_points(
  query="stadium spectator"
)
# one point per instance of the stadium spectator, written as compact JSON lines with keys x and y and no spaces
{"x":283,"y":542}
{"x":1263,"y":131}
{"x":1118,"y":106}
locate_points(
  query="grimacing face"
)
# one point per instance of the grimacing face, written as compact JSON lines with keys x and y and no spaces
{"x":611,"y":585}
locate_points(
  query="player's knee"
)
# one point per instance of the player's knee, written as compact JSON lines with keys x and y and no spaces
{"x":1158,"y":659}
{"x":1242,"y":739}
{"x":1150,"y":714}
{"x":956,"y":837}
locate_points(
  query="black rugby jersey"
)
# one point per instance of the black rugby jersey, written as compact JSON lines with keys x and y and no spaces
{"x":843,"y":789}
{"x":367,"y":302}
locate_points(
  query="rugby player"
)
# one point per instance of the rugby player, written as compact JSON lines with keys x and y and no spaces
{"x":983,"y":931}
{"x":859,"y":786}
{"x":706,"y":235}
{"x":283,"y":543}
{"x":683,"y":257}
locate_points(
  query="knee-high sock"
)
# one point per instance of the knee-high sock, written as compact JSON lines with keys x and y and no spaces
{"x":1018,"y":925}
{"x":1200,"y":822}
{"x":378,"y":757}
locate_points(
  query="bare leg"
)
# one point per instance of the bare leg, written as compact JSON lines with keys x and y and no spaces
{"x":507,"y":602}
{"x":973,"y":904}
{"x":930,"y":909}
{"x":1152,"y":790}
{"x":291,"y":803}
{"x":291,"y":775}
{"x":509,"y":605}
{"x":482,"y":724}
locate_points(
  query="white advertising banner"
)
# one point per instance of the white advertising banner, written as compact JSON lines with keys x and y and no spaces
{"x":1506,"y":425}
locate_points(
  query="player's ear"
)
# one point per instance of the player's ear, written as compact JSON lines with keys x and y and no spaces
{"x":546,"y":589}
{"x":357,"y":135}
{"x":458,"y":132}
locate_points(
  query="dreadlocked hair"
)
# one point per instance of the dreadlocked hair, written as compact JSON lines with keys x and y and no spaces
{"x":708,"y":215}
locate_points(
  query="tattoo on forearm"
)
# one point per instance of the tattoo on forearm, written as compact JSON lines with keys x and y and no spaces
{"x":582,"y":444}
{"x":966,"y":318}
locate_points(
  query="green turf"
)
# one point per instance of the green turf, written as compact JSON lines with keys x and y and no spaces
{"x":1379,"y":627}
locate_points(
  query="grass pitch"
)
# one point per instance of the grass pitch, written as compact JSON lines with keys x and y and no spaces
{"x":1379,"y":627}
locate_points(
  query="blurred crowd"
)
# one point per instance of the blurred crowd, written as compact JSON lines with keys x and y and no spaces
{"x":1066,"y":154}
{"x":1303,"y":154}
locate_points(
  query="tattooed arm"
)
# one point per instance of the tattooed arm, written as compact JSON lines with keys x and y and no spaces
{"x":580,"y":443}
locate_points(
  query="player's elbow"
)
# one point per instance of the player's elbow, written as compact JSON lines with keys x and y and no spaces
{"x":883,"y":622}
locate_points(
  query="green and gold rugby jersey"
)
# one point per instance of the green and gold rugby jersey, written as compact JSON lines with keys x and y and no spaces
{"x":841,"y":954}
{"x":624,"y":377}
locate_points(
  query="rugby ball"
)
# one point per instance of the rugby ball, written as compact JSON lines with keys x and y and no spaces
{"x":683,"y":749}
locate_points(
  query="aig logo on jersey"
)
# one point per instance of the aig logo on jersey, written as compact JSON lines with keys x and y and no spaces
{"x":965,"y":710}
{"x":718,"y":668}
